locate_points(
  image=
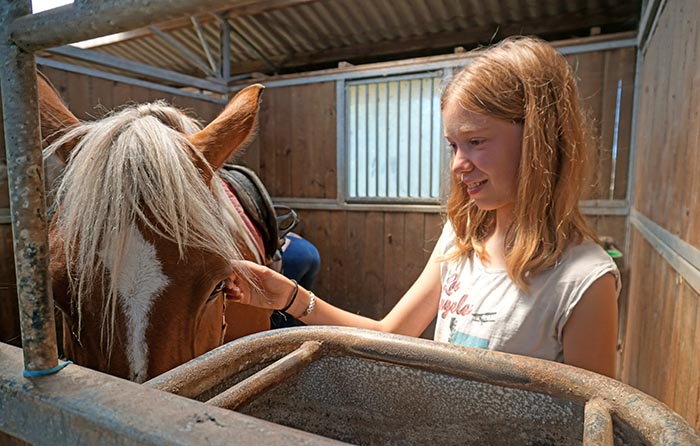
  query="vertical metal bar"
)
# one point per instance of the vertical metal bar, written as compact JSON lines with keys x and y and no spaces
{"x":444,"y":157}
{"x":357,"y":146}
{"x":341,"y":141}
{"x":432,"y":137}
{"x":376,"y":140}
{"x":386,"y":146}
{"x":367,"y":140}
{"x":225,"y":50}
{"x":398,"y":138}
{"x":247,"y":43}
{"x":616,"y":132}
{"x":420,"y":136}
{"x":27,"y":203}
{"x":408,"y":143}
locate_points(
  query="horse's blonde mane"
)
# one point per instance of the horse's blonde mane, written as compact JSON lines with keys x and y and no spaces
{"x":135,"y":167}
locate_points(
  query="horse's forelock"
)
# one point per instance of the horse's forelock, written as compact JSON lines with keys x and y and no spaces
{"x":135,"y":168}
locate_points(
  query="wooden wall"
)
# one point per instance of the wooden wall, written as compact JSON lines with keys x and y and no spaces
{"x":88,"y":98}
{"x":599,"y":74}
{"x":662,"y":353}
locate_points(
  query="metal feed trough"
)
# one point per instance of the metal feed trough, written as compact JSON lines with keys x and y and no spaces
{"x":364,"y":387}
{"x":329,"y":383}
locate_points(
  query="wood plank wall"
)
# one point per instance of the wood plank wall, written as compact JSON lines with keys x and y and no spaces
{"x":599,"y":74}
{"x":88,"y":98}
{"x":662,"y":352}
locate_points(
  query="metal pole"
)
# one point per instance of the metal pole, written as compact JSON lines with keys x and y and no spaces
{"x":27,"y":203}
{"x":205,"y":46}
{"x":225,"y":51}
{"x":136,"y":67}
{"x":89,"y":20}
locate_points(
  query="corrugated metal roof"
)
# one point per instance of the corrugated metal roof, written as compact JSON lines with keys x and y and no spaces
{"x":278,"y":36}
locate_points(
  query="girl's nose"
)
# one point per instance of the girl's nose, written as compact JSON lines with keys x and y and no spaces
{"x":461,"y":163}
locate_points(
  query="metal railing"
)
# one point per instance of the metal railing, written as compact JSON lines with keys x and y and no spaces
{"x":365,"y":387}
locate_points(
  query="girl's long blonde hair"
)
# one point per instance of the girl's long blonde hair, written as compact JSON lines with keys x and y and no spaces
{"x":524,"y":80}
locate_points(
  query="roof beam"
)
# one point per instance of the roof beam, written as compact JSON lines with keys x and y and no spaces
{"x":247,"y":43}
{"x":138,"y":68}
{"x":205,"y":45}
{"x":87,"y":20}
{"x":230,"y":10}
{"x":187,"y":53}
{"x":127,"y":80}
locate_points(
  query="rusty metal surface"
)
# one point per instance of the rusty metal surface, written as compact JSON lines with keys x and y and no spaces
{"x":373,"y":388}
{"x":253,"y":386}
{"x":87,"y":20}
{"x":79,"y":407}
{"x":27,"y":203}
{"x":598,"y":425}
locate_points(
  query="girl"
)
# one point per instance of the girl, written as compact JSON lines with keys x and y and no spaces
{"x":516,"y":269}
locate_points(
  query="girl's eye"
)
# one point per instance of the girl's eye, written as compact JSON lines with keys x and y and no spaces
{"x":476,"y":141}
{"x":452,"y":146}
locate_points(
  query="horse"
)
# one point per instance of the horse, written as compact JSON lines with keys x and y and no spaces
{"x":145,"y":233}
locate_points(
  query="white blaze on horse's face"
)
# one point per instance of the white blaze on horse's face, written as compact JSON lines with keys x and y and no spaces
{"x":138,"y":284}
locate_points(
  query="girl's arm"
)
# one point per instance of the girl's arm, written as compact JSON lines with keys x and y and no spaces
{"x":590,"y":334}
{"x":411,"y":315}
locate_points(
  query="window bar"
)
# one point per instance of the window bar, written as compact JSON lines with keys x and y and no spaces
{"x":366,"y":169}
{"x":398,"y":134}
{"x":420,"y":136}
{"x":432,"y":138}
{"x":357,"y":146}
{"x":408,"y":140}
{"x":376,"y":141}
{"x":613,"y":168}
{"x":386,"y":145}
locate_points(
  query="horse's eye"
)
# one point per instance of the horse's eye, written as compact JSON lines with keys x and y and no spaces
{"x":219,"y":287}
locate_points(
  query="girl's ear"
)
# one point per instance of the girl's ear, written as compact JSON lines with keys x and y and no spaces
{"x":55,"y":116}
{"x":231,"y":130}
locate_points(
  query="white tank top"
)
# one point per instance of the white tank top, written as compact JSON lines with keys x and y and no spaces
{"x":481,"y":307}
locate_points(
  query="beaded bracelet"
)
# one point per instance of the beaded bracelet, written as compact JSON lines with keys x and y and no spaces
{"x":312,"y":304}
{"x":294,"y":296}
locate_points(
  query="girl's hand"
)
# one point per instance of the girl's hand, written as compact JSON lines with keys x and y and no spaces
{"x":265,"y":289}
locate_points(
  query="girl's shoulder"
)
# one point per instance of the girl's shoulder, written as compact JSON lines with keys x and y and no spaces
{"x":585,"y":253}
{"x":584,"y":263}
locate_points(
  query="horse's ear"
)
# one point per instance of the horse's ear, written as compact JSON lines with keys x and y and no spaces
{"x":232,"y":129}
{"x":55,"y":116}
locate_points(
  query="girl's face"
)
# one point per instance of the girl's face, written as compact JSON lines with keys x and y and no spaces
{"x":485,"y":155}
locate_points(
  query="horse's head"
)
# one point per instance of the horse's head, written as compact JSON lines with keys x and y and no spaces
{"x":144,"y":233}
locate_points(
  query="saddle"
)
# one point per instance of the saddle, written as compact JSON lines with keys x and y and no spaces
{"x":272,"y":222}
